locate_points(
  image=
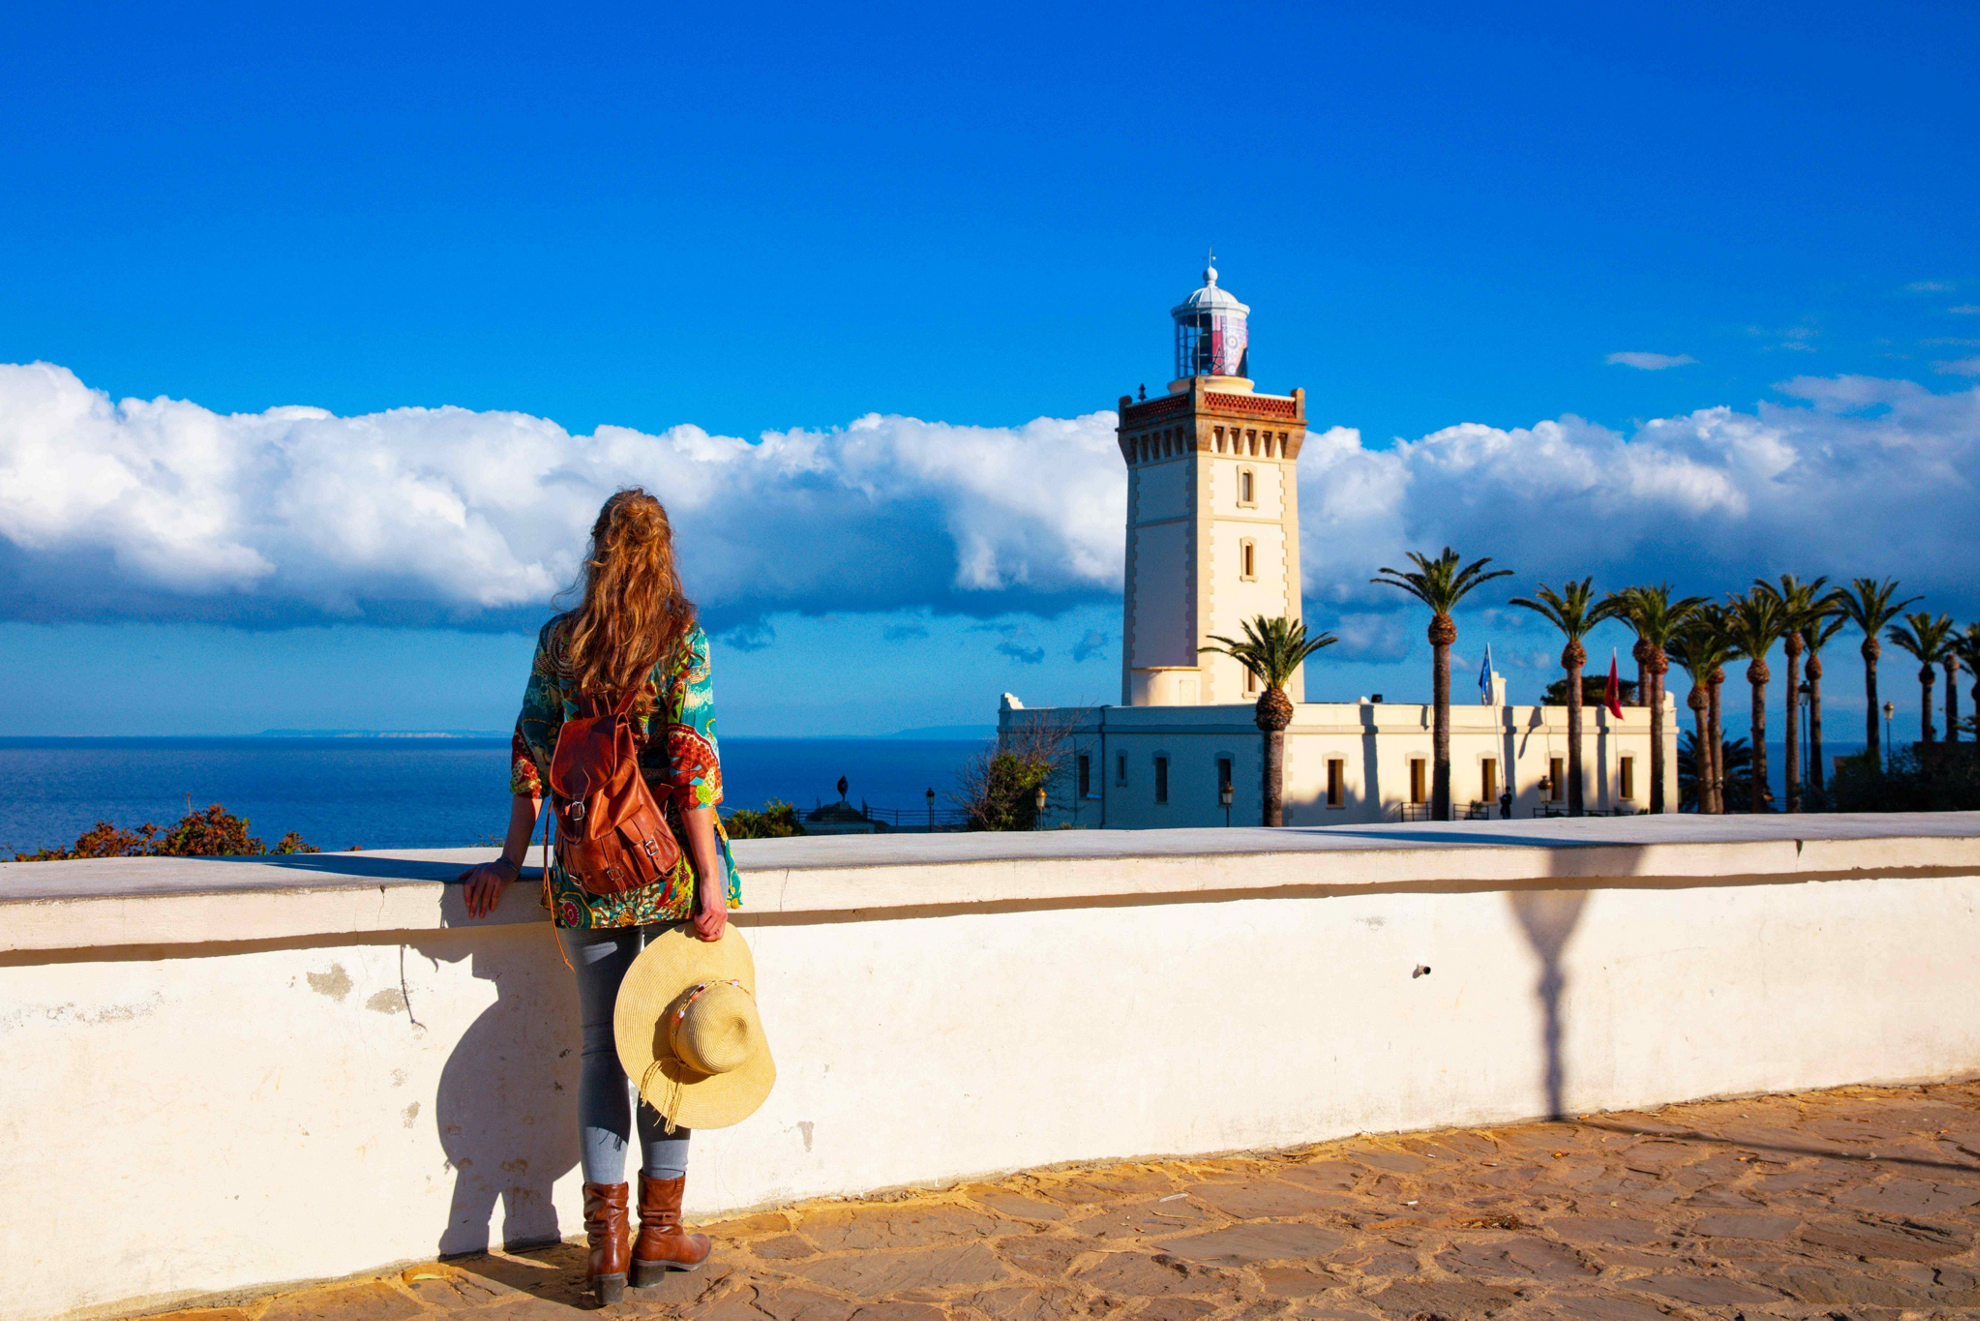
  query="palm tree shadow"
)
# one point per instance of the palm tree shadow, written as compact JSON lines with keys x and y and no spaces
{"x":1548,"y":917}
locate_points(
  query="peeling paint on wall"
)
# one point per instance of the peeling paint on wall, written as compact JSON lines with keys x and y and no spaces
{"x":336,"y":983}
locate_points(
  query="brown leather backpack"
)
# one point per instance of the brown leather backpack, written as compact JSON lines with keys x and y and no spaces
{"x":611,"y":834}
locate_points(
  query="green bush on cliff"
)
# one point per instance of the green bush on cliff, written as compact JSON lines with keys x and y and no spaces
{"x":214,"y":832}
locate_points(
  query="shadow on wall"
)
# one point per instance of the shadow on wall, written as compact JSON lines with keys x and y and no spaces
{"x":507,"y":1103}
{"x":1549,"y":917}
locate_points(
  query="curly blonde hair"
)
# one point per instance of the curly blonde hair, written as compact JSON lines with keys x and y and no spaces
{"x":634,"y":610}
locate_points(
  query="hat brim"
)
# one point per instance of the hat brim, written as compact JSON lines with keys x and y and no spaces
{"x":671,"y":963}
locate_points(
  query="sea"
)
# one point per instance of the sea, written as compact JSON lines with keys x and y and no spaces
{"x":429,"y":792}
{"x":380,"y":793}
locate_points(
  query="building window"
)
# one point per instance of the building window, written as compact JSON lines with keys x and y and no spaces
{"x":1120,"y":769}
{"x":1336,"y":773}
{"x":1247,"y":559}
{"x":1418,"y":793}
{"x":1161,"y":779}
{"x":1626,"y":780}
{"x":1085,"y":776}
{"x":1557,"y":780}
{"x":1245,"y":494}
{"x":1223,"y":776}
{"x":1488,"y":779}
{"x":1250,"y":684}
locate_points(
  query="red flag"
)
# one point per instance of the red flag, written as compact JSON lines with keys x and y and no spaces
{"x":1613,"y":698}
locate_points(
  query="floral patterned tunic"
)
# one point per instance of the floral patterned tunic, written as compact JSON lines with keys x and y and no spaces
{"x":680,"y":763}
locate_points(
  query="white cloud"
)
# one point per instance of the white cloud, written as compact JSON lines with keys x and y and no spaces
{"x":1959,"y":367}
{"x":1859,"y":476}
{"x":1965,"y":309}
{"x":1929,"y":287}
{"x":165,"y":509}
{"x":1650,"y":362}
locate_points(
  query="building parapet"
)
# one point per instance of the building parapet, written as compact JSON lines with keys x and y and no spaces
{"x":941,"y":1007}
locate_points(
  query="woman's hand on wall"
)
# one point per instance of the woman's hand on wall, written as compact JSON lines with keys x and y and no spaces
{"x":487,"y":880}
{"x":485,"y":883}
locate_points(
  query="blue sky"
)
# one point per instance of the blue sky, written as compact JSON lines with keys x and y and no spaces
{"x":742,"y":220}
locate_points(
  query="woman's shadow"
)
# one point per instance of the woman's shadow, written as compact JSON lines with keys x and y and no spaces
{"x":506,"y":1108}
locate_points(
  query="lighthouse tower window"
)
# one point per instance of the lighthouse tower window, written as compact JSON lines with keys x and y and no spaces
{"x":1246,"y":490}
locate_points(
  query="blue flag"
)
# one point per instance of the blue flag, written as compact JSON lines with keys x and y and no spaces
{"x":1485,"y":674}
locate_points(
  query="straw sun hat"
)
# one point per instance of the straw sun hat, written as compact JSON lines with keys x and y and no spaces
{"x":688,"y":1033}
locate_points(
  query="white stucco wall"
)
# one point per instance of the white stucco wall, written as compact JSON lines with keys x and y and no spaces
{"x":1375,"y":743}
{"x":224,"y":1075}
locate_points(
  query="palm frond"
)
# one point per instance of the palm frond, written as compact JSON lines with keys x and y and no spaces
{"x":1924,"y":635}
{"x":1573,"y":609}
{"x":1867,"y":604}
{"x":1440,"y":583}
{"x":1272,"y":648}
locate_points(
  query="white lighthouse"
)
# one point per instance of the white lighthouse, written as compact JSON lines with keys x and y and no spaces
{"x":1213,"y":511}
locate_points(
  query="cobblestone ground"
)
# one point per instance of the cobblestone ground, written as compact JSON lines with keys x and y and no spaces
{"x":1858,"y":1203}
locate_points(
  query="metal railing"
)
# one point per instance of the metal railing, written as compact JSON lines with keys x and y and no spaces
{"x":919,"y":818}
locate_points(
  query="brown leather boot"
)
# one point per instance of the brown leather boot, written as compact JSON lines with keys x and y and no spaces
{"x":608,"y":1231}
{"x":662,"y":1245}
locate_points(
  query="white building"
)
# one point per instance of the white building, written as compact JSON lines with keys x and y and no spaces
{"x":1213,"y":540}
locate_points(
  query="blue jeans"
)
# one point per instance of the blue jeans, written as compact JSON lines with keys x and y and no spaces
{"x":604,"y":1101}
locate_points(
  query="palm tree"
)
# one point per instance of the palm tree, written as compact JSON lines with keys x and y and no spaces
{"x":1756,"y":624}
{"x":1703,"y":649}
{"x":1731,"y":757}
{"x":1803,"y":606}
{"x":1817,"y":638}
{"x":1926,"y":638}
{"x":1440,"y":584}
{"x":1573,"y":611}
{"x":1656,"y":619}
{"x":1966,"y":645}
{"x":1273,"y":650}
{"x":1868,"y":605}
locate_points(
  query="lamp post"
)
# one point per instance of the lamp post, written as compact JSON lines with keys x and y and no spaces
{"x":1890,"y":709}
{"x":1224,"y":796}
{"x":1546,"y":791}
{"x":931,"y":809}
{"x":1038,"y":821}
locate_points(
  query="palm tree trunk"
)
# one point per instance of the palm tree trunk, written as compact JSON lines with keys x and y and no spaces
{"x":1715,"y":737}
{"x":1870,"y":730}
{"x":1701,"y":760}
{"x":1759,"y":683}
{"x":1574,"y":741}
{"x":1926,"y":734}
{"x":1440,"y":732}
{"x":1275,"y":777}
{"x":1815,"y":721}
{"x":1952,"y":700}
{"x":1657,"y":667}
{"x":1793,"y":731}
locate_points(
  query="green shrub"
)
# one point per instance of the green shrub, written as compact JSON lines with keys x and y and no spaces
{"x":1939,"y":778}
{"x":214,"y":832}
{"x":777,"y":820}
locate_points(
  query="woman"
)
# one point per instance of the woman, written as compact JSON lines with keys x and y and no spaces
{"x":634,"y":629}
